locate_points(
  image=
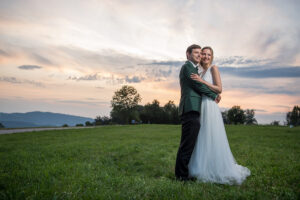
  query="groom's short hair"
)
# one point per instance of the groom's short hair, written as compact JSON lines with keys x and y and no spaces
{"x":190,"y":49}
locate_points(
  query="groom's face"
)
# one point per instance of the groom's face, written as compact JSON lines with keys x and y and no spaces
{"x":195,"y":56}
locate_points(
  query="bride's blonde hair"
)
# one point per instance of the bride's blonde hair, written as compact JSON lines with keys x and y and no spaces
{"x":212,"y":54}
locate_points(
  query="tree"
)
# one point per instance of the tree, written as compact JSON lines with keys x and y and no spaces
{"x":1,"y":125}
{"x":236,"y":115}
{"x":293,"y":117}
{"x":88,"y":123}
{"x":106,"y":120}
{"x":275,"y":123}
{"x":171,"y":113}
{"x":102,"y":120}
{"x":250,"y":120}
{"x":225,"y":117}
{"x":153,"y":113}
{"x":98,"y":120}
{"x":124,"y":103}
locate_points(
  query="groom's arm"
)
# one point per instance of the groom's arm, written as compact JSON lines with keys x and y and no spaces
{"x":200,"y":88}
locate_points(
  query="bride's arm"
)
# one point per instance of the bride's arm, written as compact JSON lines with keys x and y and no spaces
{"x":217,"y":84}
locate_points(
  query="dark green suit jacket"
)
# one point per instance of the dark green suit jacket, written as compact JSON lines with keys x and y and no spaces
{"x":192,"y":91}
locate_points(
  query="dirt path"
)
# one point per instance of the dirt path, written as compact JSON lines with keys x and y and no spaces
{"x":10,"y":131}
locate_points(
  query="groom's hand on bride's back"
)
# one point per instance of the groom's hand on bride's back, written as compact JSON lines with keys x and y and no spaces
{"x":218,"y":99}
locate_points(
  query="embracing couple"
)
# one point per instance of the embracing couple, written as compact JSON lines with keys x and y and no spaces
{"x":204,"y":153}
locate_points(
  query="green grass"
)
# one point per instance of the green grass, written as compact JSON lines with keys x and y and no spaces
{"x":137,"y":162}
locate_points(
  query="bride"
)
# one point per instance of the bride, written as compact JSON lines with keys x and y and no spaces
{"x":212,"y":160}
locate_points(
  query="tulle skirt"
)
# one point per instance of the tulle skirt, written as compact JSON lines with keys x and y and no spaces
{"x":212,"y":160}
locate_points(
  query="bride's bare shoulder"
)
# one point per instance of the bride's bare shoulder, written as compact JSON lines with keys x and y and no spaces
{"x":215,"y":67}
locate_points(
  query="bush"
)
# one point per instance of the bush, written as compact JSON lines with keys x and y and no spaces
{"x":102,"y":120}
{"x":87,"y":123}
{"x":275,"y":123}
{"x":79,"y":124}
{"x":65,"y":125}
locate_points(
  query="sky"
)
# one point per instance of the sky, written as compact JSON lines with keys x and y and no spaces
{"x":70,"y":56}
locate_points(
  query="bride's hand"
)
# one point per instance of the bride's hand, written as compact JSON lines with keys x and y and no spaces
{"x":196,"y":77}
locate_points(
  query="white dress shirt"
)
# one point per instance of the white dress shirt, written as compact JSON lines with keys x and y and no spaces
{"x":200,"y":69}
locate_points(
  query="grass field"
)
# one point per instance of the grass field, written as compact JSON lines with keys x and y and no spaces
{"x":137,"y":162}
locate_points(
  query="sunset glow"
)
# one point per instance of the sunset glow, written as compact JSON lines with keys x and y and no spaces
{"x":70,"y":56}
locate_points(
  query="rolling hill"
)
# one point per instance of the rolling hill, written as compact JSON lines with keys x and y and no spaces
{"x":38,"y":119}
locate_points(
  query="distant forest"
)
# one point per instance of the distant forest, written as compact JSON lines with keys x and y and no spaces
{"x":126,"y":110}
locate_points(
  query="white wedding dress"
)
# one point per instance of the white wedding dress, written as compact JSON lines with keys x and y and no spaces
{"x":212,"y":160}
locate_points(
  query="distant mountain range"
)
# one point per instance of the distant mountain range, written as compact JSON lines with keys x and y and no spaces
{"x":38,"y":119}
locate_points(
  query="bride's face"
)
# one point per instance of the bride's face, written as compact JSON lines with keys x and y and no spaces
{"x":206,"y":56}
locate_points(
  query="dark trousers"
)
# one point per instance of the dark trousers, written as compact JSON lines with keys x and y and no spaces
{"x":189,"y":133}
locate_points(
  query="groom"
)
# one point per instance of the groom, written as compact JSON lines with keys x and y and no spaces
{"x":189,"y":110}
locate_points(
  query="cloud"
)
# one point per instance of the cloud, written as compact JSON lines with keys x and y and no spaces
{"x":231,"y":61}
{"x":242,"y":61}
{"x":41,"y":59}
{"x":168,"y":63}
{"x":281,"y":106}
{"x":89,"y":103}
{"x":284,"y":86}
{"x":29,"y":67}
{"x":258,"y":72}
{"x":134,"y":79}
{"x":115,"y":37}
{"x":76,"y":58}
{"x":162,"y":73}
{"x":4,"y":53}
{"x":14,"y":80}
{"x":109,"y":79}
{"x":272,"y":39}
{"x":109,"y":59}
{"x":155,"y":72}
{"x":91,"y":77}
{"x":280,"y":90}
{"x":164,"y":27}
{"x":9,"y":79}
{"x":238,"y":66}
{"x":260,"y":110}
{"x":283,"y":47}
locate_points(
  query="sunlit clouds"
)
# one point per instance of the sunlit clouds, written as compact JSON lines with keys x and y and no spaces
{"x":70,"y":56}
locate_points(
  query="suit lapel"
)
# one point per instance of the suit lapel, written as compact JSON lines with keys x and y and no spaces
{"x":192,"y":66}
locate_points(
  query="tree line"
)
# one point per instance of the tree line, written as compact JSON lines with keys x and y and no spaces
{"x":126,"y":110}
